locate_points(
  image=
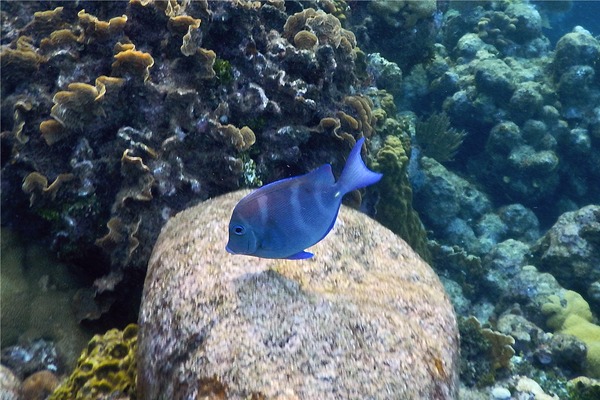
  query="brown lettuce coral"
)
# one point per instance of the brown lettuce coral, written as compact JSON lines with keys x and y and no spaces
{"x":121,"y":240}
{"x":97,"y":30}
{"x":36,"y":185}
{"x":21,"y":108}
{"x":73,"y":109}
{"x":137,"y":179}
{"x":133,"y":64}
{"x":362,"y":106}
{"x":241,"y":138}
{"x":19,"y":61}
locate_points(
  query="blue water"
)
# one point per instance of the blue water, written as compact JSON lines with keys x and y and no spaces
{"x":585,"y":13}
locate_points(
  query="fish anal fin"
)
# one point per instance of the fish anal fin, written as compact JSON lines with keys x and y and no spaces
{"x":300,"y":256}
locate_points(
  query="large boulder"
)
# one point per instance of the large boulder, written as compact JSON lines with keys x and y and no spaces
{"x":365,"y":318}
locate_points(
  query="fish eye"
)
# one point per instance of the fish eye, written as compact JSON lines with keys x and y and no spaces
{"x":239,"y":230}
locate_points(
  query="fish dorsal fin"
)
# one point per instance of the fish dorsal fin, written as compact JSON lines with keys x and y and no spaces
{"x":322,"y":175}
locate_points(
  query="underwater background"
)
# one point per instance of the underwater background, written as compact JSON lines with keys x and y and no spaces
{"x":483,"y":116}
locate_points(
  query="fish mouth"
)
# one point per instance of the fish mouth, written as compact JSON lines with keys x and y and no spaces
{"x":229,"y":250}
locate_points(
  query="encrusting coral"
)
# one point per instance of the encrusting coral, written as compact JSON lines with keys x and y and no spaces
{"x":96,"y":29}
{"x":570,"y":314}
{"x":106,"y":367}
{"x":137,"y":180}
{"x":395,"y":209}
{"x":477,"y":342}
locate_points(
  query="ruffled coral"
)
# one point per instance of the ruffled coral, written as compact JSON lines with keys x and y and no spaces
{"x":97,"y":30}
{"x":309,"y":28}
{"x":133,"y":64}
{"x":362,"y":107}
{"x":37,"y":186}
{"x":73,"y":109}
{"x":137,"y":179}
{"x":21,"y":108}
{"x":47,"y":21}
{"x":305,"y":40}
{"x":18,"y":63}
{"x":240,"y":138}
{"x":191,"y":26}
{"x":120,"y":241}
{"x":483,"y":351}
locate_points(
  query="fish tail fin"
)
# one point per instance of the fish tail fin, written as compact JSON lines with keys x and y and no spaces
{"x":356,"y":175}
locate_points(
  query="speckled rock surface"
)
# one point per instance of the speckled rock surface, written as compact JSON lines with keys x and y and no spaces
{"x":9,"y":384}
{"x":364,"y":318}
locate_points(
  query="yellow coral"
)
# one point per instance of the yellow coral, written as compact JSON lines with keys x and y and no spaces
{"x":73,"y":109}
{"x":395,"y":209}
{"x":575,"y":318}
{"x":45,"y":22}
{"x":305,"y":40}
{"x":501,"y":347}
{"x":106,"y":367}
{"x":59,"y":38}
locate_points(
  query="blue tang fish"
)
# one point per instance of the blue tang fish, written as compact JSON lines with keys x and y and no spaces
{"x":283,"y":218}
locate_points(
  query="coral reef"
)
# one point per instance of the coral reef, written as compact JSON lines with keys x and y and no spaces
{"x":450,"y":205}
{"x":106,"y":367}
{"x":130,"y":112}
{"x":118,"y":115}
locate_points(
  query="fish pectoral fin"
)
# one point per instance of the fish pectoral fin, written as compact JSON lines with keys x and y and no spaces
{"x":300,"y":256}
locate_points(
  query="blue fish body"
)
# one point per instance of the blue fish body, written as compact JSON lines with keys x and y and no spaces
{"x":283,"y":218}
